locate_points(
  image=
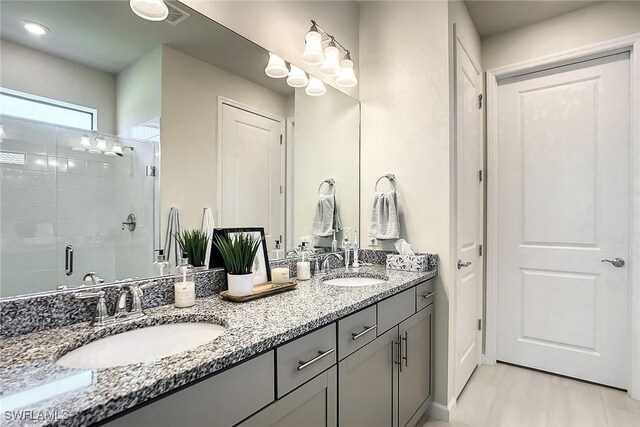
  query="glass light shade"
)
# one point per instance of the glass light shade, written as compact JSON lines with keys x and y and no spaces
{"x":315,"y":87}
{"x":312,"y":54}
{"x":346,"y":78}
{"x":117,"y":148}
{"x":151,"y":10}
{"x":3,"y":135}
{"x":101,"y":144}
{"x":331,"y":65}
{"x":85,"y":141}
{"x":109,"y":153}
{"x":77,"y":148}
{"x":276,"y":67}
{"x":35,"y":29}
{"x":297,"y":77}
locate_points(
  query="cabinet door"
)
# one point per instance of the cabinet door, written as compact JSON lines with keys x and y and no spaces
{"x":368,"y":384}
{"x":414,"y":388}
{"x":313,"y":404}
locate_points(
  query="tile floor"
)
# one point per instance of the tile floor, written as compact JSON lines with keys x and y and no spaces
{"x":509,"y":396}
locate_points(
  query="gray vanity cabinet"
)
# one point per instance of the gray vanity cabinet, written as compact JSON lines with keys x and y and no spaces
{"x":314,"y":404}
{"x":368,"y":384}
{"x":414,"y":385}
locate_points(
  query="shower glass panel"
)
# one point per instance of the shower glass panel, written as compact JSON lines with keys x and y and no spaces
{"x":66,"y":188}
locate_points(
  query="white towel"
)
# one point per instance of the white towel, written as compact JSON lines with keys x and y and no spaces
{"x":384,"y":224}
{"x":208,"y":224}
{"x":326,"y":218}
{"x":173,"y":228}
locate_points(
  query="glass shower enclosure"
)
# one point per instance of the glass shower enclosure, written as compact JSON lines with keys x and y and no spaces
{"x":74,"y":202}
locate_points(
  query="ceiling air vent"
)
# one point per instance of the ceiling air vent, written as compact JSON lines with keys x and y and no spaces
{"x":176,"y":15}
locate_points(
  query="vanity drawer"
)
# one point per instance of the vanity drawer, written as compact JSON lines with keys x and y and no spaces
{"x":394,"y":310}
{"x":356,"y":330}
{"x":425,"y":294}
{"x":304,"y":358}
{"x":221,"y":400}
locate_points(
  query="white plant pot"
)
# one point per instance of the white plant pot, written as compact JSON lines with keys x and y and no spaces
{"x":240,"y":284}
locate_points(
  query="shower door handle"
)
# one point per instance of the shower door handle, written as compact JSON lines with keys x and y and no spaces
{"x":68,"y":260}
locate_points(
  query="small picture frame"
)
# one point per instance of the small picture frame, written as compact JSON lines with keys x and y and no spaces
{"x":261,"y":270}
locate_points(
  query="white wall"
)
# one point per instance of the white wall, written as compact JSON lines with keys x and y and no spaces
{"x":459,"y":15}
{"x":280,"y":26}
{"x":138,"y":90}
{"x":594,"y":24}
{"x":188,"y":170}
{"x":404,"y":90}
{"x":22,"y":70}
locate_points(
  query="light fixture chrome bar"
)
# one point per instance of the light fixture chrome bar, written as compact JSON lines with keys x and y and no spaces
{"x":329,"y":37}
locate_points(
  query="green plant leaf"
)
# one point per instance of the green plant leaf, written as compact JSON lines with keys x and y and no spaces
{"x":194,"y":243}
{"x":238,"y":252}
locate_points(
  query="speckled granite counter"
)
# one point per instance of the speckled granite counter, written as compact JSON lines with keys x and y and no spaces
{"x":31,"y":381}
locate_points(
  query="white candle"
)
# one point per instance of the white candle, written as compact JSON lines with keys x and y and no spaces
{"x":185,"y":294}
{"x":280,"y":275}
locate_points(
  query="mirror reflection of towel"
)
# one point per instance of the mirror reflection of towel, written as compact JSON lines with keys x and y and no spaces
{"x":326,"y":218}
{"x":384,"y":224}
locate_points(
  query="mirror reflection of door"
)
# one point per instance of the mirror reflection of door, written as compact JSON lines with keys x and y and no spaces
{"x":252,"y":171}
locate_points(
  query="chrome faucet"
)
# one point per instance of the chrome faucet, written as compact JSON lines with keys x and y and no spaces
{"x":325,"y":263}
{"x":136,"y":311}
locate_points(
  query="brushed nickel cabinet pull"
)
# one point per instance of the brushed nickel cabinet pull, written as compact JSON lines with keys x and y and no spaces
{"x":302,"y":364}
{"x":355,"y":336}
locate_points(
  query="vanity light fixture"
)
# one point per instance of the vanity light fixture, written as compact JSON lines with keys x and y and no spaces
{"x":35,"y":29}
{"x":297,"y":77}
{"x":276,"y":67}
{"x":313,"y":54}
{"x":346,"y":78}
{"x":117,"y":148}
{"x":331,"y":65}
{"x":151,"y":10}
{"x":101,"y":144}
{"x":315,"y":87}
{"x":3,"y":134}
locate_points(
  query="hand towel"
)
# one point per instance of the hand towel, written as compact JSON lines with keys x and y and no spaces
{"x":384,"y":224}
{"x":208,"y":224}
{"x":173,"y":228}
{"x":326,"y":218}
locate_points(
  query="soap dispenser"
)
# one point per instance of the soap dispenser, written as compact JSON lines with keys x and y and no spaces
{"x":356,"y":249}
{"x":303,"y":267}
{"x":161,"y":265}
{"x":277,"y":252}
{"x":184,"y":285}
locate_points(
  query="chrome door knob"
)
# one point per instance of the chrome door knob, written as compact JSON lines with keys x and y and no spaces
{"x":616,"y":262}
{"x":463,"y":264}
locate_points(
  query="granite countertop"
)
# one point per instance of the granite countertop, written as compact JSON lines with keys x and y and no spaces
{"x":49,"y":394}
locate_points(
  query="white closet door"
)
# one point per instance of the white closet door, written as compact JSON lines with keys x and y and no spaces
{"x":564,"y":150}
{"x":252,"y":172}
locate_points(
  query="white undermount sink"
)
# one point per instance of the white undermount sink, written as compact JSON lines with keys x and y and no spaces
{"x":141,"y":345}
{"x":354,"y":281}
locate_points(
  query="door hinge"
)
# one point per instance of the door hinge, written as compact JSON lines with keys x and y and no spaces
{"x":480,"y":250}
{"x":479,"y":324}
{"x":281,"y":139}
{"x":150,"y":170}
{"x":281,"y":189}
{"x":480,"y":101}
{"x":281,"y":238}
{"x":480,"y":176}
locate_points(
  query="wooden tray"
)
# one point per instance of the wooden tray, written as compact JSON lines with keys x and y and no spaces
{"x":260,"y":291}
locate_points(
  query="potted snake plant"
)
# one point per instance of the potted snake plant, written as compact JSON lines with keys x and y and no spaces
{"x":238,"y":253}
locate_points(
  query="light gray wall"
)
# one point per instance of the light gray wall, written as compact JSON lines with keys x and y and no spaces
{"x":280,"y":26}
{"x":38,"y":73}
{"x":404,"y":90}
{"x":188,"y":170}
{"x":139,"y":89}
{"x":594,"y":24}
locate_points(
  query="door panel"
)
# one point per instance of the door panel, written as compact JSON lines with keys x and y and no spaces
{"x":563,"y":201}
{"x":367,"y":384}
{"x":469,"y":224}
{"x":252,"y":172}
{"x":414,"y":385}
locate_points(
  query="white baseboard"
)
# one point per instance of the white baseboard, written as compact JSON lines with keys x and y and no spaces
{"x":442,"y":412}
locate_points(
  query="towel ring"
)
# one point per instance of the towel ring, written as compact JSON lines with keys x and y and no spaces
{"x":391,"y":178}
{"x":332,"y":185}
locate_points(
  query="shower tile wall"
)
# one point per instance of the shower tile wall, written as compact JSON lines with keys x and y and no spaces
{"x":61,"y":197}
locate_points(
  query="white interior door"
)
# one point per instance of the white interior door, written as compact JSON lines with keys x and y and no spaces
{"x":469,"y":223}
{"x":563,"y":206}
{"x":252,"y":172}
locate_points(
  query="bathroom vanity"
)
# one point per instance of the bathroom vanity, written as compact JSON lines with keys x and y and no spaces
{"x":320,"y":355}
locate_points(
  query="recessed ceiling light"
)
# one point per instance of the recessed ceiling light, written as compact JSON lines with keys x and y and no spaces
{"x":151,"y":10}
{"x":35,"y":29}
